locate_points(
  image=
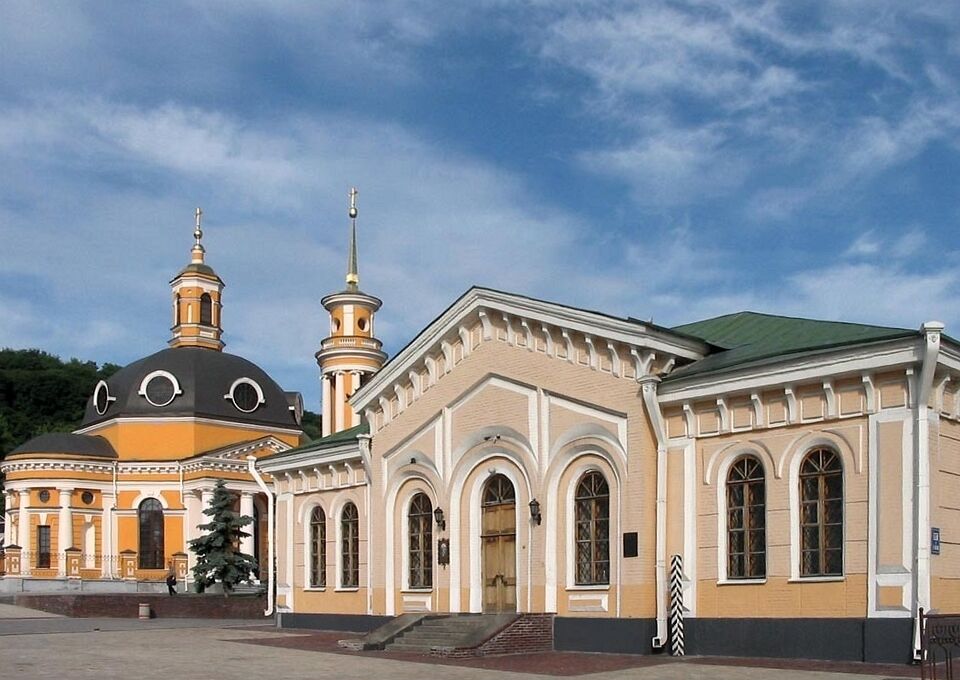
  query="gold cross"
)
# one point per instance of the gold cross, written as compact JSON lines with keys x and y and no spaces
{"x":353,"y":202}
{"x":199,"y":216}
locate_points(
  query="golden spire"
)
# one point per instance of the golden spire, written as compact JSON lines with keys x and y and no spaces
{"x":197,"y":250}
{"x":353,"y":274}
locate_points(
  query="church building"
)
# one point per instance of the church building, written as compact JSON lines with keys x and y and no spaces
{"x":769,"y":485}
{"x":112,"y":506}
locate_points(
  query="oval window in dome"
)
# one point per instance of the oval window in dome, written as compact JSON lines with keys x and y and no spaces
{"x":246,"y":395}
{"x":159,"y":388}
{"x":102,"y":398}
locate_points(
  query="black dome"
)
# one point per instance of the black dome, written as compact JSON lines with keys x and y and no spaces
{"x":204,"y":377}
{"x":62,"y":442}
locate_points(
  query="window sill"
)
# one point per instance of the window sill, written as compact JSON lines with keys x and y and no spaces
{"x":416,"y":590}
{"x":741,"y":581}
{"x":599,"y":586}
{"x":817,"y":579}
{"x":348,"y":589}
{"x":315,"y":589}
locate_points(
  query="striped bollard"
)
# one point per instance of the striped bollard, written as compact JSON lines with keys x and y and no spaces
{"x":676,"y":605}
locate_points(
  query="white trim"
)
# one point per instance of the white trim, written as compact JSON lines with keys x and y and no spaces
{"x":796,"y":453}
{"x":96,"y":390}
{"x":142,"y":391}
{"x":807,"y":369}
{"x":185,"y":419}
{"x":629,"y":333}
{"x":731,"y":455}
{"x":245,"y":381}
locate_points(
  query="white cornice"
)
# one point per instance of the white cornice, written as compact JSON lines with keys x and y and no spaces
{"x":90,"y":429}
{"x":852,"y":361}
{"x":630,"y":333}
{"x":331,"y":456}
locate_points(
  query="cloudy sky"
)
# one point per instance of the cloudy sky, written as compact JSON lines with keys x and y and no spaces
{"x":674,"y":160}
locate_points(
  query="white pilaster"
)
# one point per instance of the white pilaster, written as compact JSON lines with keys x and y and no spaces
{"x":10,"y":536}
{"x":246,"y":509}
{"x":192,"y":504}
{"x":64,"y":530}
{"x":354,"y":386}
{"x":326,"y":421}
{"x":23,"y":523}
{"x":338,"y":402}
{"x":108,"y":566}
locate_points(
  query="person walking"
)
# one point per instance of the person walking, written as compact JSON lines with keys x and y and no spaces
{"x":171,"y":582}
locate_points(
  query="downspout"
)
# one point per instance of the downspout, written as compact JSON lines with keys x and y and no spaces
{"x":931,"y":351}
{"x":648,"y":388}
{"x":252,"y":467}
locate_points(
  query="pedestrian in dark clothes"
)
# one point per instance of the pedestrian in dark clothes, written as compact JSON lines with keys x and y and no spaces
{"x":171,"y":582}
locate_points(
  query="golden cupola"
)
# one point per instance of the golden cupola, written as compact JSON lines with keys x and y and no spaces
{"x":351,"y":353}
{"x":197,"y":292}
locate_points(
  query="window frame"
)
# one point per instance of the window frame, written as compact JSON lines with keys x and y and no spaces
{"x":206,"y":309}
{"x":821,"y":476}
{"x":419,"y":543}
{"x":317,"y":549}
{"x":349,"y":548}
{"x":157,"y":513}
{"x":745,"y":523}
{"x":592,"y":541}
{"x":44,"y":559}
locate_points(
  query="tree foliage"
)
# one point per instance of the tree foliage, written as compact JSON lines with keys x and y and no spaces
{"x":311,"y":424}
{"x":218,"y":550}
{"x":41,"y":393}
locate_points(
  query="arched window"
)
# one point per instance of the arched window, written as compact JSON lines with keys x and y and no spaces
{"x":349,"y":547}
{"x":206,"y":309}
{"x":150,"y":518}
{"x":592,"y":509}
{"x":318,"y":548}
{"x":821,"y":514}
{"x":177,"y":320}
{"x":420,"y":522}
{"x":746,"y":519}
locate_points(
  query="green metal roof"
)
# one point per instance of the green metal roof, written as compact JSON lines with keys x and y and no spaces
{"x":751,"y":337}
{"x":330,"y":441}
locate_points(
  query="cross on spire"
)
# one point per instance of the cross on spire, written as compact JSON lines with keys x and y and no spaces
{"x":197,"y":235}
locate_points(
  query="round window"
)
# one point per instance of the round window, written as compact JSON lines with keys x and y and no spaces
{"x":160,"y":390}
{"x":86,"y":497}
{"x":44,"y":496}
{"x":245,"y":397}
{"x":362,"y":323}
{"x":101,"y":398}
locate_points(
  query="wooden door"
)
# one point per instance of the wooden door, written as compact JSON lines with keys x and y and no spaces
{"x":499,"y":544}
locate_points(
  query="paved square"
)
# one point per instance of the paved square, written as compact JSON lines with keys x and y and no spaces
{"x":93,"y":649}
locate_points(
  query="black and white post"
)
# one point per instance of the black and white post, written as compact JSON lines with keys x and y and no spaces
{"x":676,"y":605}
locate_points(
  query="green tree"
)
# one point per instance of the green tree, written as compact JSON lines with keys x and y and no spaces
{"x":218,"y":550}
{"x":311,"y":424}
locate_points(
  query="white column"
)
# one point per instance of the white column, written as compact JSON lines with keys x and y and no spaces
{"x":338,"y":402}
{"x":191,"y":502}
{"x":354,"y":386}
{"x":326,"y":422}
{"x":206,"y":499}
{"x":64,"y":530}
{"x":10,"y":536}
{"x":23,"y":520}
{"x":108,"y":565}
{"x":246,"y":509}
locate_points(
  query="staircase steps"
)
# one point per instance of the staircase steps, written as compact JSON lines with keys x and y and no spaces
{"x":455,"y":631}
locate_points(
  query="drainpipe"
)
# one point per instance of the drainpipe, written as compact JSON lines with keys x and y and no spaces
{"x":252,"y":467}
{"x":648,"y":388}
{"x":931,"y":331}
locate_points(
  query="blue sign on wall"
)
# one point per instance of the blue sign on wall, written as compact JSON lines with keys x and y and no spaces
{"x":934,"y":540}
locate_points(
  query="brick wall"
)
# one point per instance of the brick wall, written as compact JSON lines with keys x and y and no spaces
{"x":528,"y":633}
{"x":162,"y":606}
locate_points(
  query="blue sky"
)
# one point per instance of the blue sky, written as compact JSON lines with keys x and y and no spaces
{"x":673,"y":160}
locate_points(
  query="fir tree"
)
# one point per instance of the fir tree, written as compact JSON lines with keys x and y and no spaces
{"x":218,"y":550}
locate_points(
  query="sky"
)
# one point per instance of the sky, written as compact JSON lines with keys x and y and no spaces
{"x":667,"y":160}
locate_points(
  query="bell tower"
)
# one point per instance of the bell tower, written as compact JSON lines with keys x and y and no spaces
{"x":196,"y":300}
{"x":351,"y":353}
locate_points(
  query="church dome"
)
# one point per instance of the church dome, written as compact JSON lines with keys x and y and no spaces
{"x":192,"y":382}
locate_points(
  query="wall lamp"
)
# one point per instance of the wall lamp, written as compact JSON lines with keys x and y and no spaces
{"x":535,"y":511}
{"x":438,"y":518}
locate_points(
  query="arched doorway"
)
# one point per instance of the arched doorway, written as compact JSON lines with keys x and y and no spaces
{"x":499,"y":541}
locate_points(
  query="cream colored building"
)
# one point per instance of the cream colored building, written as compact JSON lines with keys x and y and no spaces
{"x":521,"y":455}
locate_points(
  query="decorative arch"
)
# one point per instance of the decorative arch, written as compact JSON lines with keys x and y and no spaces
{"x":726,"y":454}
{"x":585,"y":431}
{"x":409,"y":481}
{"x":732,"y":456}
{"x":156,"y":495}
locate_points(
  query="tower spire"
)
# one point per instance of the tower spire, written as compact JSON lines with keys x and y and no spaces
{"x":353,"y":274}
{"x":197,"y":250}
